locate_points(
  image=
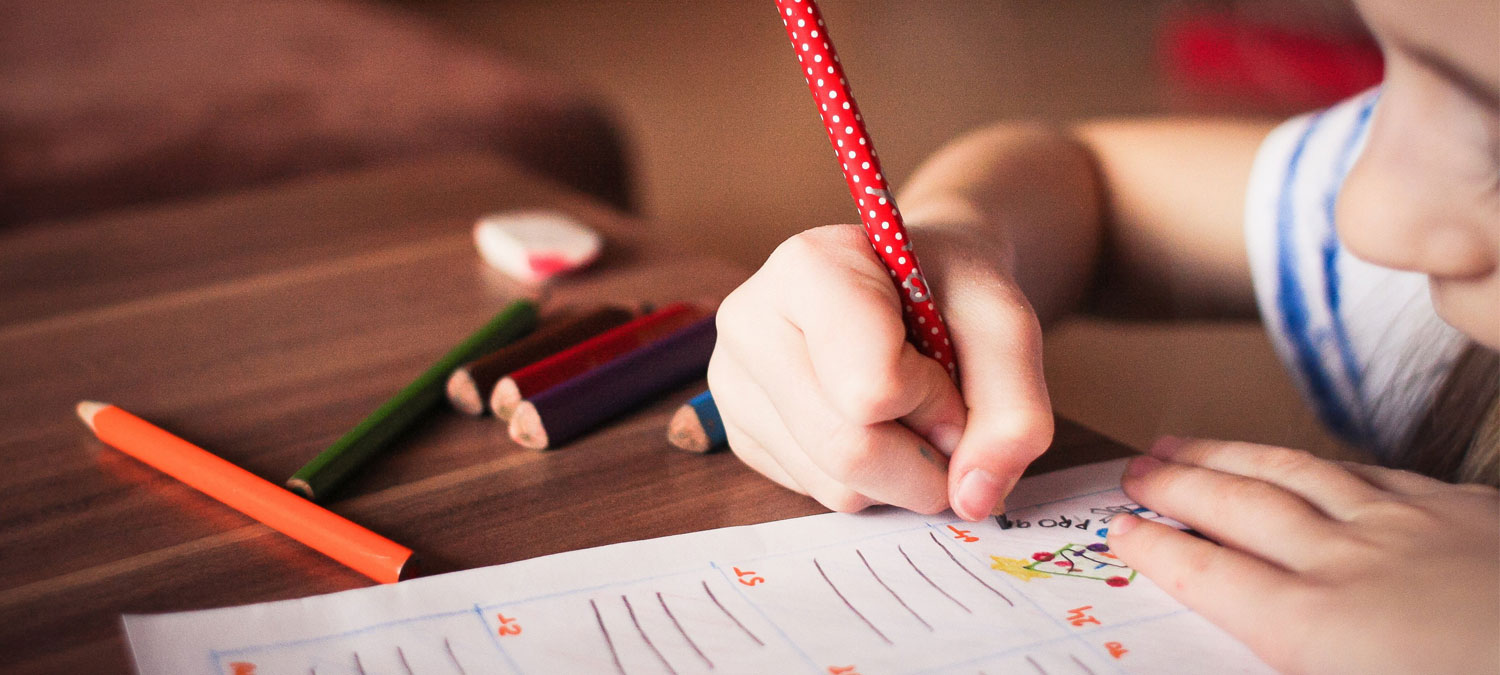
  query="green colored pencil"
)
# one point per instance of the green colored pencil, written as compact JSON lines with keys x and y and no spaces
{"x":320,"y":476}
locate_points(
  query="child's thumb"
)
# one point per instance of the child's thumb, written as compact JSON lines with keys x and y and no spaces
{"x":999,"y":348}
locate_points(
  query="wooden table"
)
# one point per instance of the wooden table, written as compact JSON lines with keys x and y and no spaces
{"x":262,"y":326}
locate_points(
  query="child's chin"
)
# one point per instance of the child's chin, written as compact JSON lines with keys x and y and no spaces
{"x":1471,"y":306}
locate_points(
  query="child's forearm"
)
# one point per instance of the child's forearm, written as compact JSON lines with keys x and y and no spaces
{"x":1136,"y":216}
{"x":1026,"y":195}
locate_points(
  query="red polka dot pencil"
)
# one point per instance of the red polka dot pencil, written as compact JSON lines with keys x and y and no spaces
{"x":856,"y":152}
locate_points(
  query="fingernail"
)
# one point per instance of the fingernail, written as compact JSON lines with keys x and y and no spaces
{"x":1167,"y":446}
{"x":945,"y":437}
{"x":1141,"y":466}
{"x":1122,"y":523}
{"x":977,"y":493}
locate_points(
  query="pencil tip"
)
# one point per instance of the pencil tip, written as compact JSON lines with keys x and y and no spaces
{"x":87,"y":410}
{"x":526,"y":427}
{"x":301,"y":487}
{"x":463,"y":392}
{"x":504,"y":398}
{"x":685,"y":430}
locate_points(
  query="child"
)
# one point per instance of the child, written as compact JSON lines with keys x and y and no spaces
{"x":1319,"y":566}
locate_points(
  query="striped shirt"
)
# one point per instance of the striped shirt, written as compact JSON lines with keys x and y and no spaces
{"x":1363,"y":342}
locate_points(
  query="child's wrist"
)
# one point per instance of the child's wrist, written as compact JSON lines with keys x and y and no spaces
{"x":941,"y":214}
{"x":953,"y":244}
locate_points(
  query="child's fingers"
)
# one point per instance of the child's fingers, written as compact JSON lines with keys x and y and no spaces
{"x":848,"y":312}
{"x":998,"y":343}
{"x":729,"y":389}
{"x":1322,"y":483}
{"x":752,"y":330}
{"x":752,"y":455}
{"x":1392,"y":480}
{"x":765,"y":432}
{"x":939,"y":415}
{"x":1244,"y":596}
{"x":884,"y":461}
{"x":1245,"y":513}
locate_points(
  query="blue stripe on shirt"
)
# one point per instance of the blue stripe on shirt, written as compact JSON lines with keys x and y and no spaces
{"x":1331,"y":250}
{"x":1292,"y":303}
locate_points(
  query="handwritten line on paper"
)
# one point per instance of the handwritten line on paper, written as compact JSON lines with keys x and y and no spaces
{"x":930,"y":581}
{"x":448,"y":646}
{"x":968,"y":571}
{"x":731,"y":616}
{"x":646,"y":638}
{"x":890,"y":590}
{"x":851,"y":607}
{"x":685,"y":636}
{"x":613,"y":655}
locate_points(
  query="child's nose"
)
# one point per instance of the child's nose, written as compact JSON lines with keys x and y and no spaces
{"x":1399,"y":212}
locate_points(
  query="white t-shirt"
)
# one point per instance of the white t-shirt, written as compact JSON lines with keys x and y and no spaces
{"x":1363,"y":342}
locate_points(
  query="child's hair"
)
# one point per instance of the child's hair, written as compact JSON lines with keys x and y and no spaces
{"x":1458,"y":440}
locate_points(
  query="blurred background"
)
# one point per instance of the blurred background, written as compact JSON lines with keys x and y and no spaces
{"x":690,"y":114}
{"x":729,"y":148}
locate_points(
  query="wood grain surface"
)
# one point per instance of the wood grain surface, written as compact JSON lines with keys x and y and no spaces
{"x":262,"y":326}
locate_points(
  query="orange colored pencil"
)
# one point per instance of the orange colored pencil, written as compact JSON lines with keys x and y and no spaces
{"x":326,"y":532}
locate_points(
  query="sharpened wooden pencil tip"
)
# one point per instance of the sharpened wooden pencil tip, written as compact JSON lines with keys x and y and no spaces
{"x":301,"y":487}
{"x":463,"y":393}
{"x":526,"y":427}
{"x":685,"y":431}
{"x":505,"y":398}
{"x":88,"y":409}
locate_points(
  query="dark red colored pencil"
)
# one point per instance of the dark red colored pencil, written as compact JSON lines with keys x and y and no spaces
{"x":570,"y":409}
{"x":470,"y":386}
{"x":580,"y":358}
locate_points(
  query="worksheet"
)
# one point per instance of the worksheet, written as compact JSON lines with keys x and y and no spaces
{"x":1034,"y":591}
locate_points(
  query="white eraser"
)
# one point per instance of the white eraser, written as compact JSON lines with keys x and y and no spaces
{"x":534,"y":246}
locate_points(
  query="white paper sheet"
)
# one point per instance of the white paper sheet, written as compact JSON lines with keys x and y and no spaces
{"x":884,"y":592}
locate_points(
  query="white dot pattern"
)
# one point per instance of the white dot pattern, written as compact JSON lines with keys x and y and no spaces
{"x":862,"y":173}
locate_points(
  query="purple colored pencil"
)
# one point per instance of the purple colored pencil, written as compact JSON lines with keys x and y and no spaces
{"x":572,"y":408}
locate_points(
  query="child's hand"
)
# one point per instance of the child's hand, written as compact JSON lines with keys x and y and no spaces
{"x":820,"y":391}
{"x":1324,"y":567}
